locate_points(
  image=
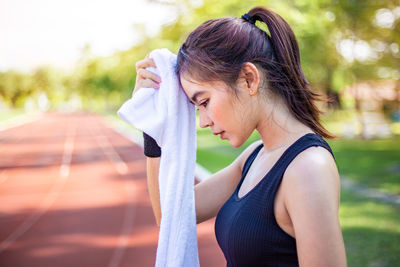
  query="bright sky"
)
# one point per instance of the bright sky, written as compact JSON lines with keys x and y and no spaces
{"x":36,"y":32}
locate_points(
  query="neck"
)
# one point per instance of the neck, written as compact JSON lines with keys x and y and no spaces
{"x":278,"y":128}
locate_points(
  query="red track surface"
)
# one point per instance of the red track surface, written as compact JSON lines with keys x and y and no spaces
{"x":73,"y":192}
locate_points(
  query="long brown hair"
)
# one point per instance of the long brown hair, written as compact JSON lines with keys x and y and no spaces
{"x":218,"y":48}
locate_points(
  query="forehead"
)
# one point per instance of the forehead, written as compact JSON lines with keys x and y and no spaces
{"x":193,"y":87}
{"x":190,"y":86}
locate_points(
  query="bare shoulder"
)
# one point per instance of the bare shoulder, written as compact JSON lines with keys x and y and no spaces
{"x":313,"y":159}
{"x":313,"y":172}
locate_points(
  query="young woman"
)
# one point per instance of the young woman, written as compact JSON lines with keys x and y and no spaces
{"x":277,"y":203}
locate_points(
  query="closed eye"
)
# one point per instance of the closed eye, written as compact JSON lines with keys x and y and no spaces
{"x":204,"y":104}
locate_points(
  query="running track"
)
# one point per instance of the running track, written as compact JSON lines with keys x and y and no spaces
{"x":73,"y":192}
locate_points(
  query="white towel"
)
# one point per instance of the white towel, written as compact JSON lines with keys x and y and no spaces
{"x":167,"y":115}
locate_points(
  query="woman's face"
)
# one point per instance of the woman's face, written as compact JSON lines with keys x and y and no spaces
{"x":220,"y":110}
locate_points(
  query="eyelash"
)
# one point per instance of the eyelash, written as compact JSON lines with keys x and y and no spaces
{"x":204,"y":103}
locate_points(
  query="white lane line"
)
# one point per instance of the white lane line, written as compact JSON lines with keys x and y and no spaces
{"x":112,"y":155}
{"x":51,"y":196}
{"x":130,"y":211}
{"x":67,"y":156}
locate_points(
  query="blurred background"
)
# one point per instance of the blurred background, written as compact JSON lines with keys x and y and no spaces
{"x":67,"y":66}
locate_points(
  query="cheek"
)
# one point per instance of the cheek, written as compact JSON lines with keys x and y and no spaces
{"x":218,"y":113}
{"x":222,"y":114}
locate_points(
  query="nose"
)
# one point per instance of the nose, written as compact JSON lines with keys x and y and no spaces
{"x":205,"y":120}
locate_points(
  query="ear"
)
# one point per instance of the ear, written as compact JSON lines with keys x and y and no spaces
{"x":251,"y":76}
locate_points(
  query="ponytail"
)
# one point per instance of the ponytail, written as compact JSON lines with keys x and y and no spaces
{"x":293,"y":86}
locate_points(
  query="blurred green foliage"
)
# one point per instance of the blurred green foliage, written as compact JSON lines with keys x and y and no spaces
{"x":323,"y":29}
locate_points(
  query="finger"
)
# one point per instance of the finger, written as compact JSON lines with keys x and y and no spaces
{"x":146,"y":74}
{"x":144,"y":63}
{"x":147,"y":83}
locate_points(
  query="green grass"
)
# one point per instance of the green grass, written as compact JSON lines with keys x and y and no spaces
{"x":374,"y":163}
{"x":371,"y":231}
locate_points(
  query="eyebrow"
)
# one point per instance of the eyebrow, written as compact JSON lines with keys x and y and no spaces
{"x":194,"y":97}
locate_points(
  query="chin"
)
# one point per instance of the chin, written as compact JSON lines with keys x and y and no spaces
{"x":235,"y":143}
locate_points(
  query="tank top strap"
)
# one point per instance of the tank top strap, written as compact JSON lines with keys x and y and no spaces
{"x":296,"y":148}
{"x":302,"y":144}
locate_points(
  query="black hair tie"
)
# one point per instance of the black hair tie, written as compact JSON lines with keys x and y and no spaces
{"x":248,"y":18}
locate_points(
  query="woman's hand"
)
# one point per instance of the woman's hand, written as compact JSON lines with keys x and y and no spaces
{"x":146,"y":78}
